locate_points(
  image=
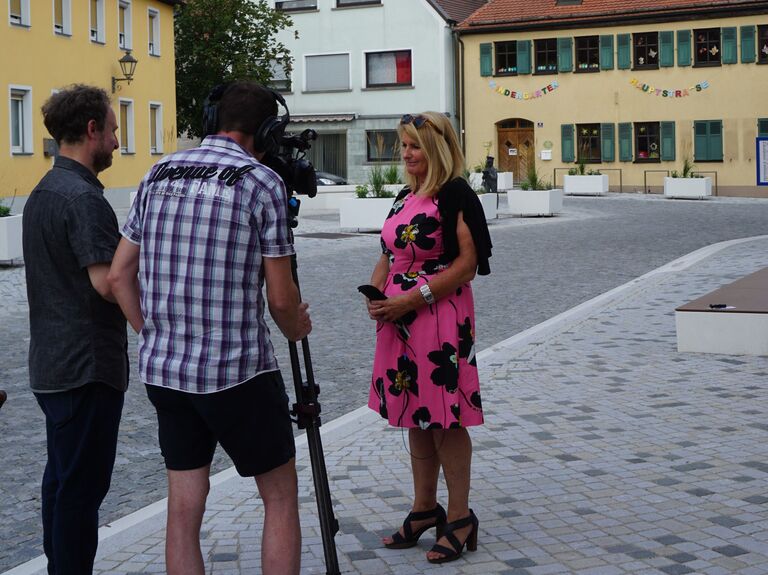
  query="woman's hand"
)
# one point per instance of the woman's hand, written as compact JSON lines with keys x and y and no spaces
{"x":391,"y":308}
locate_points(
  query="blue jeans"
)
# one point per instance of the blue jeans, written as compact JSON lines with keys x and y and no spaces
{"x":81,"y":431}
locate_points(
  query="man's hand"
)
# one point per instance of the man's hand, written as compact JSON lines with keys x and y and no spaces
{"x":304,"y":323}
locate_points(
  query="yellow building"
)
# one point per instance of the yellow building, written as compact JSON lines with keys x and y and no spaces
{"x":632,"y":87}
{"x":48,"y":44}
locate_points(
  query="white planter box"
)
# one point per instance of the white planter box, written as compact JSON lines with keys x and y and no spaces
{"x":505,"y":181}
{"x":476,"y":180}
{"x":595,"y":185}
{"x":489,"y":205}
{"x":10,"y":238}
{"x":364,"y":213}
{"x":698,"y":188}
{"x":534,"y":202}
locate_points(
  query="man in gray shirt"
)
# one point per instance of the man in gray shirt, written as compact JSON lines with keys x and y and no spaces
{"x":78,"y":365}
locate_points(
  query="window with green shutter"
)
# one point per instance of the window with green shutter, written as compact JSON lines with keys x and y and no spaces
{"x":523,"y":56}
{"x":666,"y":49}
{"x":624,"y":51}
{"x":762,"y":127}
{"x":747,"y":44}
{"x":625,"y":142}
{"x":587,"y":54}
{"x":729,"y":45}
{"x":606,"y":52}
{"x":647,"y":142}
{"x":668,"y":141}
{"x":486,"y":59}
{"x":607,"y":142}
{"x":708,"y":141}
{"x":683,"y":47}
{"x":566,"y":143}
{"x":565,"y":54}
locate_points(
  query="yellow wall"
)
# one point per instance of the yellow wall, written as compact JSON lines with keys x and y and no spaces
{"x":737,"y":95}
{"x":38,"y":58}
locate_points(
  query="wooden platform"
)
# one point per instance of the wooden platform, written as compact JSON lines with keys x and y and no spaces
{"x":731,"y":320}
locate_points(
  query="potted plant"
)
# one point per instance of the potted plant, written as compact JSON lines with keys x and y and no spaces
{"x":535,"y":197}
{"x":10,"y":235}
{"x":370,"y":208}
{"x":583,"y":182}
{"x":475,"y":177}
{"x":687,"y":184}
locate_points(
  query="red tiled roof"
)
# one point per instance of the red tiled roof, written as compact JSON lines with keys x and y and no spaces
{"x":519,"y":13}
{"x":457,"y":10}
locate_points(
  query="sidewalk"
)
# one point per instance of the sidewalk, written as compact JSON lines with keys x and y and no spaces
{"x":604,"y":452}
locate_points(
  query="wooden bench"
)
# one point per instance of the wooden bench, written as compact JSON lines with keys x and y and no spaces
{"x":731,"y":320}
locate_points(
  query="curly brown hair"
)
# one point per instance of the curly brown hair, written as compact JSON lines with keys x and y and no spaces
{"x":66,"y":114}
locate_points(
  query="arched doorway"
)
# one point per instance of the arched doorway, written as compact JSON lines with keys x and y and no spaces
{"x":516,"y":152}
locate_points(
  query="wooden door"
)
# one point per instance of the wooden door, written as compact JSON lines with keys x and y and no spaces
{"x":516,"y":147}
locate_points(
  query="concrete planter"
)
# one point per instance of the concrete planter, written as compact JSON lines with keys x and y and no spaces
{"x":595,"y":185}
{"x":534,"y":202}
{"x":10,"y":238}
{"x":504,"y":181}
{"x":488,"y":202}
{"x":364,"y":214}
{"x":476,"y":180}
{"x":696,"y":188}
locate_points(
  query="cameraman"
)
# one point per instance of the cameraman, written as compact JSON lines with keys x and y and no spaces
{"x":207,"y":229}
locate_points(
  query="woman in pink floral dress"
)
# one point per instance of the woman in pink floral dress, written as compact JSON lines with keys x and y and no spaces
{"x":434,"y":241}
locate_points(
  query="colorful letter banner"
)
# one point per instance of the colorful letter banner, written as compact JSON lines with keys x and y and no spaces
{"x":522,"y":95}
{"x":669,"y":93}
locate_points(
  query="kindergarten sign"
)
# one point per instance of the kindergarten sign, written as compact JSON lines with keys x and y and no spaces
{"x":669,"y":93}
{"x":522,"y":95}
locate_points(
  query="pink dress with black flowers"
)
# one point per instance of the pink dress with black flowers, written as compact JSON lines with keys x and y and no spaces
{"x":424,"y":370}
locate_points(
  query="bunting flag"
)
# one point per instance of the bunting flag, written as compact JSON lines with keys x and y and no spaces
{"x":515,"y":95}
{"x":669,"y":93}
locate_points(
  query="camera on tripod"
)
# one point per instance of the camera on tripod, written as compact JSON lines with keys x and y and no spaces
{"x":292,"y":165}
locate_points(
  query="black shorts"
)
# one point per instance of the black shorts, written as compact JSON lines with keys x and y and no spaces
{"x":251,"y":422}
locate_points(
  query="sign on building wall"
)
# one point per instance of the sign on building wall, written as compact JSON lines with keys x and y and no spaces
{"x":762,"y":161}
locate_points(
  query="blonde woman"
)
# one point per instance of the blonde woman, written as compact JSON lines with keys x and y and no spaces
{"x":434,"y":241}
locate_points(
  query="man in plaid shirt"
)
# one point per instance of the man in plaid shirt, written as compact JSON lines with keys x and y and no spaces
{"x":208,"y":228}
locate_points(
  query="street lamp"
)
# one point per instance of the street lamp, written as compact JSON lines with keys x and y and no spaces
{"x":127,"y":67}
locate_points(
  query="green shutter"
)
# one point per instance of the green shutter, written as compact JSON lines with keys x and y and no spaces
{"x":607,"y":143}
{"x":728,"y":38}
{"x":683,"y":47}
{"x":523,"y":56}
{"x":666,"y":49}
{"x":700,"y":139}
{"x":486,"y":59}
{"x":624,"y":49}
{"x":606,"y":52}
{"x":747,"y":44}
{"x":564,"y":54}
{"x":762,"y":127}
{"x":668,"y":141}
{"x":625,"y":142}
{"x":566,"y":144}
{"x":716,"y":140}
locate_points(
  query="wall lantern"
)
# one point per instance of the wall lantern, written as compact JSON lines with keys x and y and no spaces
{"x":127,"y":67}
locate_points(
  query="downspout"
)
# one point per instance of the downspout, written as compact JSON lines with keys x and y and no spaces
{"x":459,"y":79}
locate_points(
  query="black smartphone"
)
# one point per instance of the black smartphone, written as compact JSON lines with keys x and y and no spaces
{"x":371,"y":292}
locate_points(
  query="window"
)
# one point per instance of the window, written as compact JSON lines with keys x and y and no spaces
{"x":708,"y":141}
{"x":587,"y":54}
{"x":386,"y":69}
{"x":289,"y":5}
{"x":326,"y":72}
{"x":97,"y":21}
{"x":62,"y":17}
{"x":546,"y":56}
{"x":706,"y":48}
{"x":646,"y":51}
{"x":155,"y":128}
{"x":343,"y":3}
{"x":281,"y":78}
{"x":588,"y":142}
{"x":647,"y":142}
{"x":383,"y":146}
{"x":762,"y":44}
{"x":18,"y":12}
{"x":21,"y":119}
{"x":124,"y":37}
{"x":153,"y":20}
{"x":125,"y":120}
{"x":506,"y":58}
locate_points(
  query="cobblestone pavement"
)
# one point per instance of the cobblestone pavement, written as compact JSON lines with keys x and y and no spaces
{"x":541,"y":267}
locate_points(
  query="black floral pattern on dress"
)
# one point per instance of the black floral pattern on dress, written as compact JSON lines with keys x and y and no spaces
{"x":379,"y":385}
{"x":422,"y":418}
{"x":396,"y":207}
{"x":431,"y":267}
{"x":475,"y":400}
{"x":417,"y":232}
{"x":447,"y":372}
{"x":467,"y":342}
{"x":456,"y":411}
{"x":404,"y":378}
{"x":403,"y":322}
{"x":407,"y":280}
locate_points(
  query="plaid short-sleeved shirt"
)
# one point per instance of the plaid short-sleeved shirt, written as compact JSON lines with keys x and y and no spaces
{"x":204,"y":219}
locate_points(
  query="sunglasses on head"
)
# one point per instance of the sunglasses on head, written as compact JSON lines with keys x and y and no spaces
{"x":418,"y":121}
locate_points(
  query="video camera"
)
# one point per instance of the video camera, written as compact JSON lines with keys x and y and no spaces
{"x":291,"y":164}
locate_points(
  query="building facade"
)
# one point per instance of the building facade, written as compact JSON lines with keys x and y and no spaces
{"x":632,"y":88}
{"x":46,"y":45}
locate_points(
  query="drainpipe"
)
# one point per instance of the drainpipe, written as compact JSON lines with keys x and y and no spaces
{"x":459,"y":79}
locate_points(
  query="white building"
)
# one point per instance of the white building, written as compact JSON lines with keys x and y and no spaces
{"x":359,"y":65}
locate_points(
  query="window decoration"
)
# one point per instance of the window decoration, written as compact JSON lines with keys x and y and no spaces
{"x":588,"y":143}
{"x":647,"y":142}
{"x":707,"y":47}
{"x":762,"y":44}
{"x":546,"y":56}
{"x":515,"y":95}
{"x":587,"y":53}
{"x":646,"y":50}
{"x":506,"y":58}
{"x":669,"y":92}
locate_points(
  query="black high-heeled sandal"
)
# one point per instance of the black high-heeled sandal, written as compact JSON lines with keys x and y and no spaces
{"x":410,"y":538}
{"x":454,"y":552}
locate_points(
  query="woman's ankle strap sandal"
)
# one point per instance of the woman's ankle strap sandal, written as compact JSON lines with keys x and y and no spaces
{"x":410,"y":537}
{"x":454,"y":552}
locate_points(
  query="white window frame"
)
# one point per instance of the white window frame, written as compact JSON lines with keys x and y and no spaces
{"x":126,"y":42}
{"x":366,"y":53}
{"x":97,"y":36}
{"x":66,"y":18}
{"x":23,"y":19}
{"x":158,"y":107}
{"x":23,"y":93}
{"x":153,"y":29}
{"x":307,"y":57}
{"x":127,"y":131}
